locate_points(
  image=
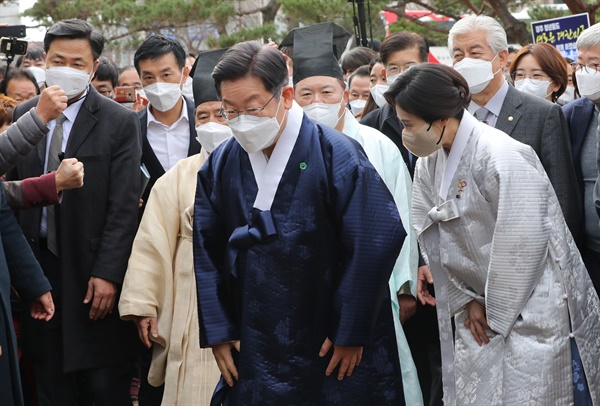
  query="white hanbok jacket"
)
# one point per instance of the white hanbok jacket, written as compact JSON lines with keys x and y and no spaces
{"x":488,"y":218}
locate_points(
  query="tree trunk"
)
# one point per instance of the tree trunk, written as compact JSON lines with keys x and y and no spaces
{"x":580,"y":6}
{"x":270,"y":11}
{"x":514,"y":28}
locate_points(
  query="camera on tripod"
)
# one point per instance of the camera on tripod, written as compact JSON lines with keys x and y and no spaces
{"x":10,"y":44}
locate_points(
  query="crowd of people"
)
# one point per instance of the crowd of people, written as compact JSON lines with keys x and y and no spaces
{"x":301,"y":224}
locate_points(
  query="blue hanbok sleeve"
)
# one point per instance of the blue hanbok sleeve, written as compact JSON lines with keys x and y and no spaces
{"x":371,"y":236}
{"x":215,"y":302}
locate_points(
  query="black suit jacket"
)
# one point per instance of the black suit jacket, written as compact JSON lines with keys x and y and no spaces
{"x":385,"y":120}
{"x":149,"y":158}
{"x":542,"y":125}
{"x":579,"y":113}
{"x":96,"y":225}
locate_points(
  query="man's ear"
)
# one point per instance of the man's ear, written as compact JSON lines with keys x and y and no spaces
{"x":288,"y":96}
{"x":95,"y":68}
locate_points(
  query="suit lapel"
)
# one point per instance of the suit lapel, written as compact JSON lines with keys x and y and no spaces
{"x":84,"y":122}
{"x":41,"y":152}
{"x":148,"y":156}
{"x":194,"y":146}
{"x":509,"y":113}
{"x":582,"y":114}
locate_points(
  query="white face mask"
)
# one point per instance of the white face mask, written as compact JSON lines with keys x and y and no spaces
{"x":256,"y":133}
{"x":422,"y":142}
{"x":377,"y":92}
{"x":72,"y":81}
{"x":588,"y":84}
{"x":568,"y":96}
{"x":392,"y":79}
{"x":477,"y":72}
{"x":357,"y":106}
{"x":325,"y":113}
{"x":211,"y":135}
{"x":163,"y":96}
{"x":188,"y":90}
{"x":539,"y":89}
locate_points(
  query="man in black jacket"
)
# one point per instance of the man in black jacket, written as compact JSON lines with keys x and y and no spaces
{"x":85,"y":353}
{"x":398,"y":52}
{"x":167,"y":124}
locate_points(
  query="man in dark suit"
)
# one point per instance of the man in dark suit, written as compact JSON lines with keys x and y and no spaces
{"x":84,"y":354}
{"x":168,"y":134}
{"x":582,"y":117}
{"x":398,"y":52}
{"x":167,"y":125}
{"x":479,"y":50}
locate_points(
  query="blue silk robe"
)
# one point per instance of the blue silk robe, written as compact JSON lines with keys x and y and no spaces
{"x":324,"y":274}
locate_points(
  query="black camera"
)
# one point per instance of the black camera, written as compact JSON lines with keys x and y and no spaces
{"x":10,"y":44}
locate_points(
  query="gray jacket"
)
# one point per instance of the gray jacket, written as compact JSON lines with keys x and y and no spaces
{"x":16,"y":142}
{"x":20,"y":138}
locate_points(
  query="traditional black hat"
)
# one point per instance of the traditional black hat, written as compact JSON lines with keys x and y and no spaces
{"x":316,"y":50}
{"x":203,"y":83}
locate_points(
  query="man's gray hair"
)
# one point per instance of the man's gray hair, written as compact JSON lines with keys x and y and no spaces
{"x":590,"y":37}
{"x":496,"y":36}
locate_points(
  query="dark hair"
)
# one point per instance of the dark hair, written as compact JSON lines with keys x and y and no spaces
{"x":107,"y":70}
{"x":75,"y":29}
{"x":401,"y":41}
{"x":251,"y":58}
{"x":156,"y":46}
{"x":33,"y":53}
{"x":18,"y":73}
{"x":357,"y":57}
{"x":430,"y":91}
{"x":550,"y":60}
{"x":374,"y":62}
{"x":363,"y":71}
{"x":512,"y":50}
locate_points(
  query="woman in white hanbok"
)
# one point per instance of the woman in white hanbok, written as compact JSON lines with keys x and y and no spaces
{"x":527,"y":318}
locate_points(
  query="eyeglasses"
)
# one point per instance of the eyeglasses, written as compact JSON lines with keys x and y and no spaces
{"x":591,"y":68}
{"x":392,"y":70}
{"x":253,"y":113}
{"x":535,"y":78}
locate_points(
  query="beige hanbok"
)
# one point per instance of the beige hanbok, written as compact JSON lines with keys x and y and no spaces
{"x":160,"y":283}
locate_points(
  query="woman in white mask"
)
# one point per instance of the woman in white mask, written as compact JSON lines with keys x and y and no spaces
{"x":501,"y":258}
{"x":164,"y":306}
{"x":540,"y":70}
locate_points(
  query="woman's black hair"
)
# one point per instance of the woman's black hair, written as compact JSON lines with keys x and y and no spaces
{"x":430,"y":91}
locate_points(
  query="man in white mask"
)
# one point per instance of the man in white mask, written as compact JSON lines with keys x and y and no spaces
{"x":85,"y":353}
{"x":159,"y":290}
{"x":320,"y":91}
{"x":295,"y":238}
{"x":479,"y":49}
{"x":168,"y":127}
{"x":582,"y":117}
{"x":398,"y":52}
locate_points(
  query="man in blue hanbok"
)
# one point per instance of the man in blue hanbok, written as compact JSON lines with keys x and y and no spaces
{"x":295,"y":239}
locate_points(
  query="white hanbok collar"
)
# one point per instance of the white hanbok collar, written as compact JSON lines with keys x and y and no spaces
{"x":268,"y":172}
{"x":465,"y":128}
